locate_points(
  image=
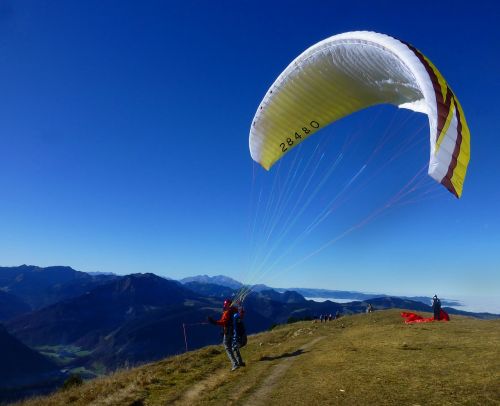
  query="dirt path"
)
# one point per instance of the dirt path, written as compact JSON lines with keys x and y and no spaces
{"x":261,"y":394}
{"x":194,"y":392}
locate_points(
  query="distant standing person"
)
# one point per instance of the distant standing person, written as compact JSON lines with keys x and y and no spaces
{"x":230,"y":343}
{"x":436,"y":306}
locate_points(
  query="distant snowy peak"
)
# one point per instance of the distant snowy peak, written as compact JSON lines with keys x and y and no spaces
{"x":216,"y":280}
{"x":101,"y":273}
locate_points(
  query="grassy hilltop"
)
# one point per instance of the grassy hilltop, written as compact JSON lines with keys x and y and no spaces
{"x":364,"y":359}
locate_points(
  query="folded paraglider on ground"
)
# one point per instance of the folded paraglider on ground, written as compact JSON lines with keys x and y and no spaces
{"x":416,"y":318}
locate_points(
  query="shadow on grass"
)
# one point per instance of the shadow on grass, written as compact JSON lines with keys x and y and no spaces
{"x":284,"y":355}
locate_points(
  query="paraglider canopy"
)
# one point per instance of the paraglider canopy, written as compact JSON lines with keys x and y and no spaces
{"x":352,"y":71}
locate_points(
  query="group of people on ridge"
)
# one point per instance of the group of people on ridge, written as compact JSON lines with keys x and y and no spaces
{"x":328,"y":317}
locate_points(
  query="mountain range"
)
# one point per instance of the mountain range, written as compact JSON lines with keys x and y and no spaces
{"x":38,"y":287}
{"x":230,"y":283}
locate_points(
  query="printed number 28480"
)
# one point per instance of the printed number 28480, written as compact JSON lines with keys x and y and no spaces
{"x":289,"y":141}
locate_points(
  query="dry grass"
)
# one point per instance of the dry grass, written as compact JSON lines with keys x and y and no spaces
{"x":361,"y":360}
{"x":378,"y":360}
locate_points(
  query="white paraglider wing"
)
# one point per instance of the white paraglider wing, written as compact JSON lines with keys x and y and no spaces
{"x":352,"y":71}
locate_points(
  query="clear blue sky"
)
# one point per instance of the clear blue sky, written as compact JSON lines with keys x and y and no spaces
{"x":124,"y":140}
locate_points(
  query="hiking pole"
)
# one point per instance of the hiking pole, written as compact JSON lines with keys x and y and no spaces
{"x":185,"y":333}
{"x":185,"y":336}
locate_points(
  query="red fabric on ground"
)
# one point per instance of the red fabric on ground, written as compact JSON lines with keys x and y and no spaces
{"x":416,"y":318}
{"x":444,"y":316}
